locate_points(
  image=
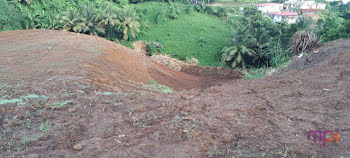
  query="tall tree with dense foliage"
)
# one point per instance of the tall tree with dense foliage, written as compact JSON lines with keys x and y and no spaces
{"x":241,"y":50}
{"x":91,"y":19}
{"x":129,"y":22}
{"x":110,"y":18}
{"x":334,"y":24}
{"x":70,"y":20}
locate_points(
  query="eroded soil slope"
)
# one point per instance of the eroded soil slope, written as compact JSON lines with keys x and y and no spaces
{"x":59,"y":111}
{"x":47,"y":55}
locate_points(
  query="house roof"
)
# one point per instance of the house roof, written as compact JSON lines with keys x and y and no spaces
{"x":309,"y":10}
{"x":286,"y":13}
{"x":268,"y":4}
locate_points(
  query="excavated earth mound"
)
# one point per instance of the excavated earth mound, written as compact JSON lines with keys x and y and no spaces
{"x":69,"y":95}
{"x":47,"y":56}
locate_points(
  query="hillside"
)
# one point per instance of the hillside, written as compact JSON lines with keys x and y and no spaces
{"x":193,"y":35}
{"x":72,"y":95}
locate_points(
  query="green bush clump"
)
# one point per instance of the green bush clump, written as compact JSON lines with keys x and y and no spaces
{"x":174,"y":11}
{"x":153,"y":47}
{"x":189,"y":9}
{"x":10,"y":18}
{"x":161,"y":17}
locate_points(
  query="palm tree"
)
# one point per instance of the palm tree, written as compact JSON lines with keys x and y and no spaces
{"x":262,"y":38}
{"x":243,"y":47}
{"x":129,"y":22}
{"x":70,"y":19}
{"x":110,"y":17}
{"x":304,"y":23}
{"x":90,"y":22}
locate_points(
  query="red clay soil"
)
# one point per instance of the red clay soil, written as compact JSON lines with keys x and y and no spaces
{"x":70,"y":95}
{"x":53,"y":55}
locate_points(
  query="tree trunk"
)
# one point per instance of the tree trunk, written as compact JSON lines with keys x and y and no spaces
{"x":132,"y":33}
{"x":125,"y":33}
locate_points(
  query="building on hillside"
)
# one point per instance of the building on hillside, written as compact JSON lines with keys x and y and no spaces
{"x":286,"y":12}
{"x":312,"y":5}
{"x":312,"y":13}
{"x":290,"y":5}
{"x":270,"y":7}
{"x":287,"y":16}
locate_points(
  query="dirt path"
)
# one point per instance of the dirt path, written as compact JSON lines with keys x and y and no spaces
{"x":68,"y":95}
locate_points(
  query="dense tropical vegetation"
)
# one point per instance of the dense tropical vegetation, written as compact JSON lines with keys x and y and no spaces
{"x":216,"y":36}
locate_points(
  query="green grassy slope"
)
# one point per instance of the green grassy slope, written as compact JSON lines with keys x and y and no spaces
{"x":195,"y":35}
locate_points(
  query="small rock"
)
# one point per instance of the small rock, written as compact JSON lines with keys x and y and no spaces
{"x":50,"y":71}
{"x":226,"y":137}
{"x":325,"y":89}
{"x":6,"y":121}
{"x":171,"y":127}
{"x":203,"y":147}
{"x":33,"y":155}
{"x":2,"y":110}
{"x":316,"y":51}
{"x":116,"y":115}
{"x":72,"y":110}
{"x":78,"y":147}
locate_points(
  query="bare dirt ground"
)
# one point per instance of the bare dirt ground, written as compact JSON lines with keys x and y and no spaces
{"x":70,"y":95}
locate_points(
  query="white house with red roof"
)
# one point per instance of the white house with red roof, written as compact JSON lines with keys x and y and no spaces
{"x":270,"y":7}
{"x":287,"y":16}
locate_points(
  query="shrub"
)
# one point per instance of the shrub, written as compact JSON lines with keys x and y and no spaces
{"x":277,"y":56}
{"x":123,"y":2}
{"x":161,"y":17}
{"x":174,"y":11}
{"x":213,"y":10}
{"x":200,"y":7}
{"x":303,"y":40}
{"x":189,"y":9}
{"x":153,"y":47}
{"x":10,"y":18}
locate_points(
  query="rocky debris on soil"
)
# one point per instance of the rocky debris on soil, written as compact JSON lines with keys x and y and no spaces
{"x":164,"y":59}
{"x":78,"y":147}
{"x":317,"y":55}
{"x":214,"y":72}
{"x":172,"y":62}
